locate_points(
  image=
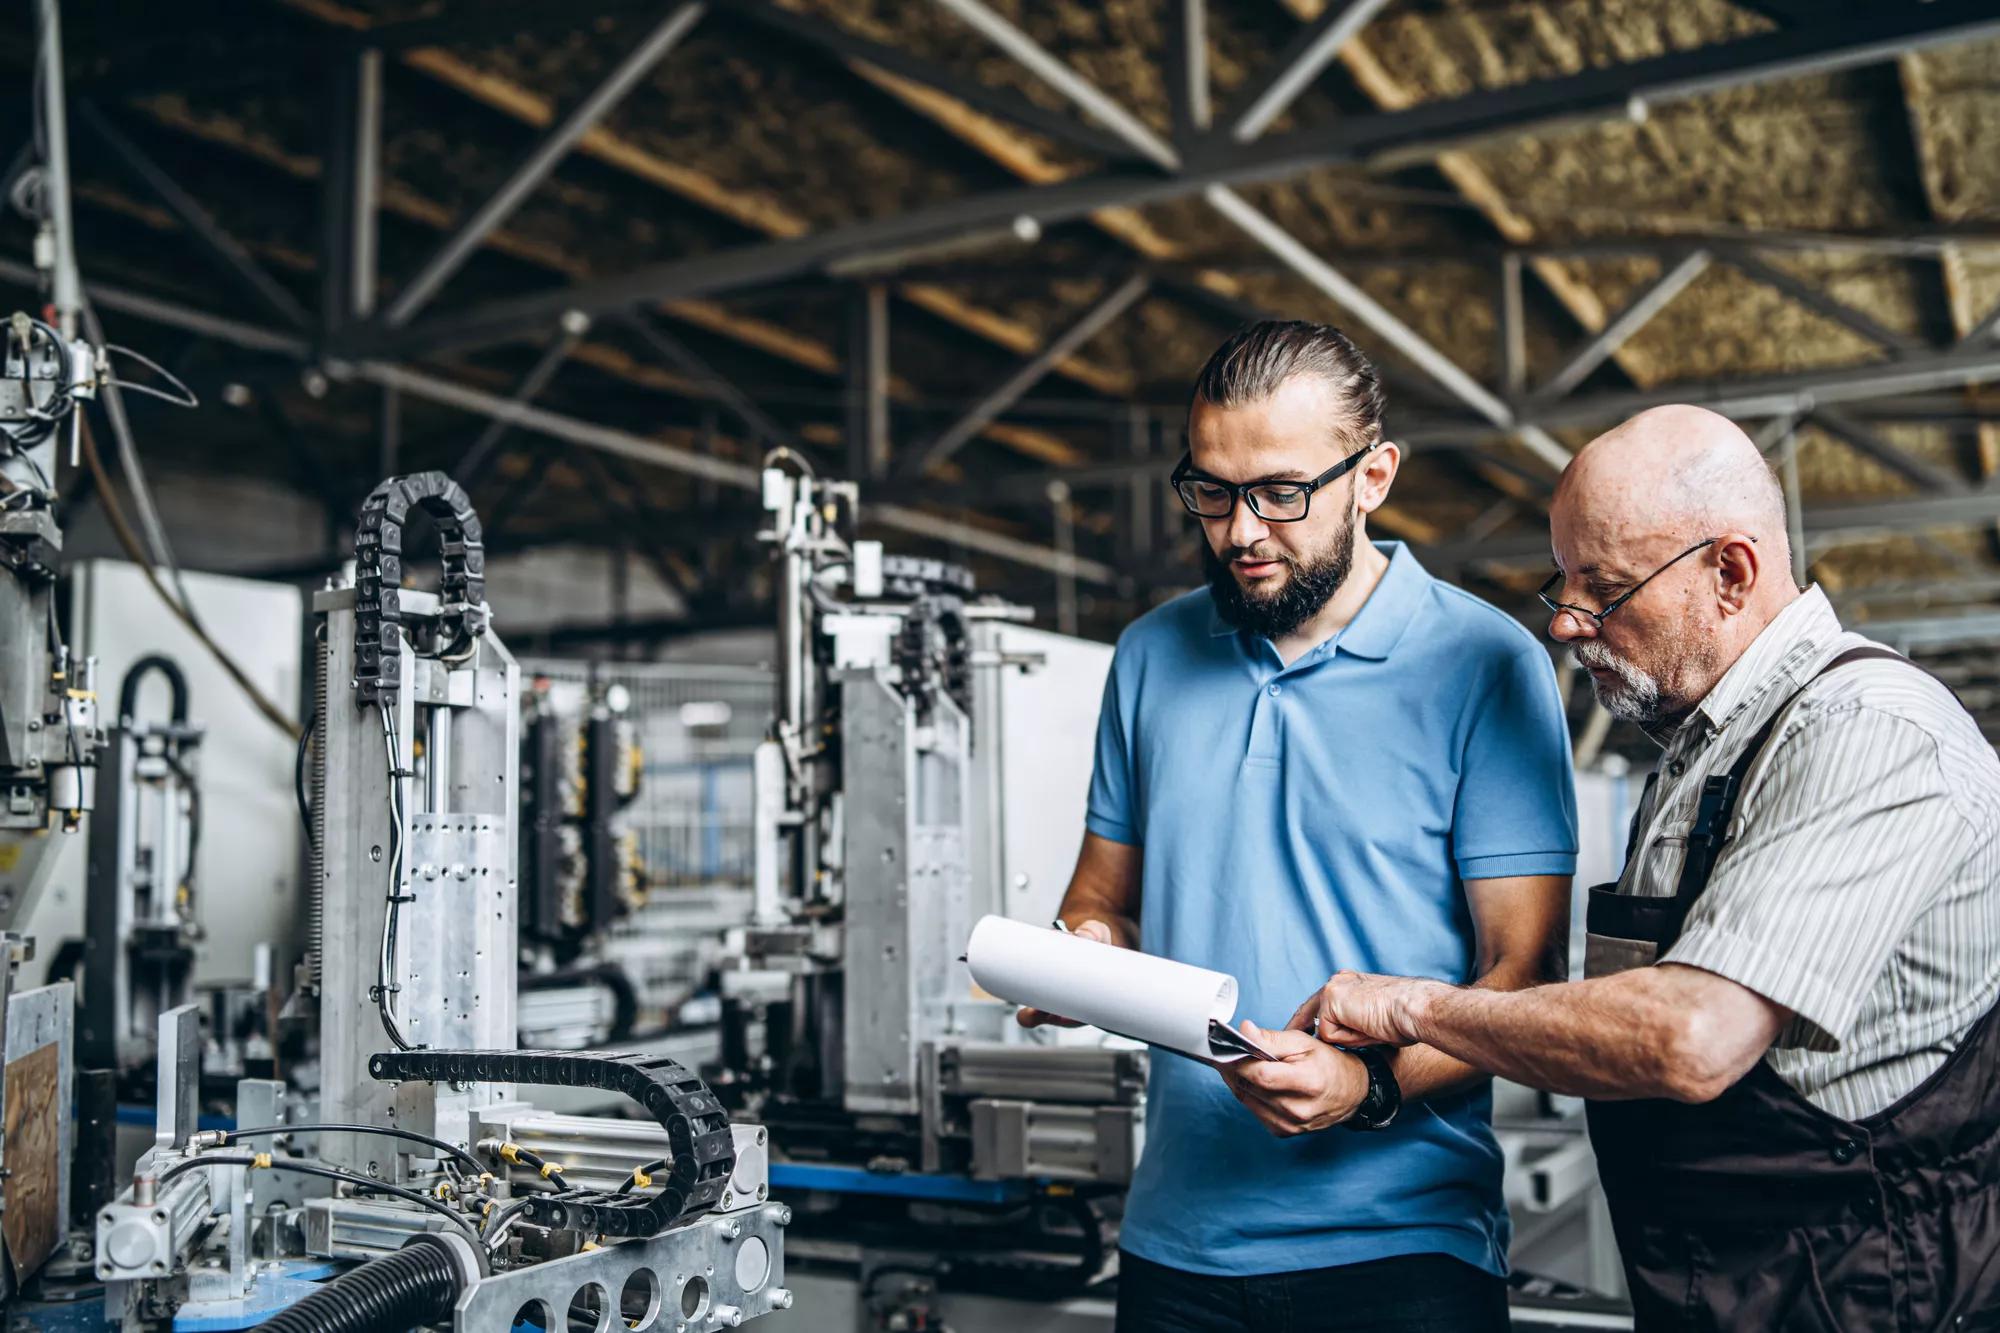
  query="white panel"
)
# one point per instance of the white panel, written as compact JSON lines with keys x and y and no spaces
{"x":1048,"y":738}
{"x":248,"y":867}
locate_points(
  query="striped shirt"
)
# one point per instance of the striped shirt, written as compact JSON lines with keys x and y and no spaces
{"x":1860,"y":887}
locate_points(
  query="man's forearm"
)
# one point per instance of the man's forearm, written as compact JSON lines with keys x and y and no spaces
{"x":1425,"y":1071}
{"x":1609,"y":1038}
{"x":1081,"y":904}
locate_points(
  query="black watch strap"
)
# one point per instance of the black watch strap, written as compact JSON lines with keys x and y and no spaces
{"x":1385,"y":1096}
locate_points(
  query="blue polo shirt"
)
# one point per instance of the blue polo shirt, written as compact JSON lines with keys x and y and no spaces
{"x":1299,"y":820}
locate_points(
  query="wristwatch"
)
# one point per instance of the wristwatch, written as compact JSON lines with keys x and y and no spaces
{"x":1385,"y":1096}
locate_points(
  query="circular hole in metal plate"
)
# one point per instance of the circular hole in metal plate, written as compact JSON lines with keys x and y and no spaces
{"x":639,"y":1301}
{"x":590,"y":1309}
{"x":534,"y":1317}
{"x":753,"y":1264}
{"x":694,"y":1298}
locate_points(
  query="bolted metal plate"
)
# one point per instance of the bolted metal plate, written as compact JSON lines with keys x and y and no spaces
{"x":719,"y":1272}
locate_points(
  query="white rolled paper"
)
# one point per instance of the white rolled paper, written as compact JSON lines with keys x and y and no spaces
{"x":1132,"y":994}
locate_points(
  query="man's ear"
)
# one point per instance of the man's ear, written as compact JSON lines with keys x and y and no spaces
{"x":1739,"y":565}
{"x":1376,"y":475}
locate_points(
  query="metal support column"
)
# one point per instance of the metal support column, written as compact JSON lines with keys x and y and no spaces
{"x":350,"y":188}
{"x":868,"y":383}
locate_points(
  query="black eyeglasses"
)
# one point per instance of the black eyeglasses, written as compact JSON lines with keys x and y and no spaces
{"x":1597,"y":618}
{"x":1272,"y":501}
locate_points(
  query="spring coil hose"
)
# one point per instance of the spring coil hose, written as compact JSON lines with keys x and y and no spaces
{"x":393,"y":1294}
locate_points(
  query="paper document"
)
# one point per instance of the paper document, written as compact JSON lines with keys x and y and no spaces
{"x":1155,"y":1000}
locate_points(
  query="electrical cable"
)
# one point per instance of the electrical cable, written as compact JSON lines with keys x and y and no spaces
{"x":496,"y":1226}
{"x":385,"y":963}
{"x":413,"y":1287}
{"x":185,"y":398}
{"x":264,"y":1161}
{"x":155,"y":530}
{"x":384,"y":1131}
{"x":299,"y":780}
{"x":641,"y":1175}
{"x":128,"y":541}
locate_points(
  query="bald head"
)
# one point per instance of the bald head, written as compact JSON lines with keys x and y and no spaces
{"x":1678,"y":470}
{"x":1678,"y":504}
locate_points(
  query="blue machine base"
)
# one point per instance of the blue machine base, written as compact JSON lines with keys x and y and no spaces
{"x":271,"y":1292}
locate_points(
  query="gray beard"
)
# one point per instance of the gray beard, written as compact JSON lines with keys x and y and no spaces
{"x":1632,"y":696}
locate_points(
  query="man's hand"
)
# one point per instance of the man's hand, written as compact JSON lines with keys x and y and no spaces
{"x":1311,"y":1086}
{"x":1359,"y":1009}
{"x":1034,"y":1018}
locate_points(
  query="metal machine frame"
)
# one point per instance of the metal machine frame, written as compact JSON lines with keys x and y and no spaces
{"x":415,"y":823}
{"x":851,"y":1024}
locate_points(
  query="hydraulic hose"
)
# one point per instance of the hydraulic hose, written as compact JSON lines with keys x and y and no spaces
{"x":415,"y":1286}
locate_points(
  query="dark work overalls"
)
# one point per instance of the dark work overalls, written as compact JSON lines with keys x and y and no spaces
{"x":1760,"y":1211}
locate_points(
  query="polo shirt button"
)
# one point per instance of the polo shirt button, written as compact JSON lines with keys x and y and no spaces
{"x":1277,"y":690}
{"x":1846,"y":1151}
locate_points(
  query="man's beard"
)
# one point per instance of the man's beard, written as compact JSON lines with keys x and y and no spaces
{"x":1307,"y":586}
{"x":1631,"y":694}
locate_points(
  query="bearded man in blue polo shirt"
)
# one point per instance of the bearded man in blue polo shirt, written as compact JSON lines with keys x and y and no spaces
{"x":1326,"y":760}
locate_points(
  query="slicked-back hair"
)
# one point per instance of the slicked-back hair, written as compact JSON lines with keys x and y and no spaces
{"x":1257,"y":360}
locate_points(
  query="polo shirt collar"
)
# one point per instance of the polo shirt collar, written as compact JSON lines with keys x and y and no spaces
{"x":1379,"y":625}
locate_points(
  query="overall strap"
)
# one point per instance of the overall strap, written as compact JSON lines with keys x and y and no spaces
{"x":1720,"y":792}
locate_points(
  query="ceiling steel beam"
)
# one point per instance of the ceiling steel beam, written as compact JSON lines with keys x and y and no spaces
{"x":540,"y":160}
{"x":1636,"y":315}
{"x":1821,"y":302}
{"x":172,"y":314}
{"x":1001,"y":104}
{"x":1981,"y":334}
{"x":741,"y":476}
{"x":1843,"y":521}
{"x":1919,"y":472}
{"x":1302,"y":61}
{"x":474,"y":462}
{"x":1419,"y":131}
{"x":1050,"y":70}
{"x":1335,"y":285}
{"x":764,"y":427}
{"x":222,"y":250}
{"x":1005,"y":394}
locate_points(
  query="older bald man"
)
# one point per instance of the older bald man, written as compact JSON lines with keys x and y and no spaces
{"x":1786,"y":1034}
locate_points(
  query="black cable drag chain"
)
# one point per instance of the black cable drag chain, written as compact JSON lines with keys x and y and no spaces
{"x":378,"y":574}
{"x":702,"y":1154}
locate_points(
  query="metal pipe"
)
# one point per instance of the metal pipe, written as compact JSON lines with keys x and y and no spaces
{"x":67,"y":286}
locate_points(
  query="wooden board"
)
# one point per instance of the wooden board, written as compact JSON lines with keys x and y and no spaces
{"x":30,"y":1225}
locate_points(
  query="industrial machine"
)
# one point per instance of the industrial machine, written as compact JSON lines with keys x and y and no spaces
{"x":140,"y":918}
{"x":580,"y":868}
{"x":49,"y":743}
{"x":49,"y":736}
{"x":850,"y":1026}
{"x":456,"y":1203}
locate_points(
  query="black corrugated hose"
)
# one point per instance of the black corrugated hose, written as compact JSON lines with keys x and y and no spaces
{"x":413,"y":1287}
